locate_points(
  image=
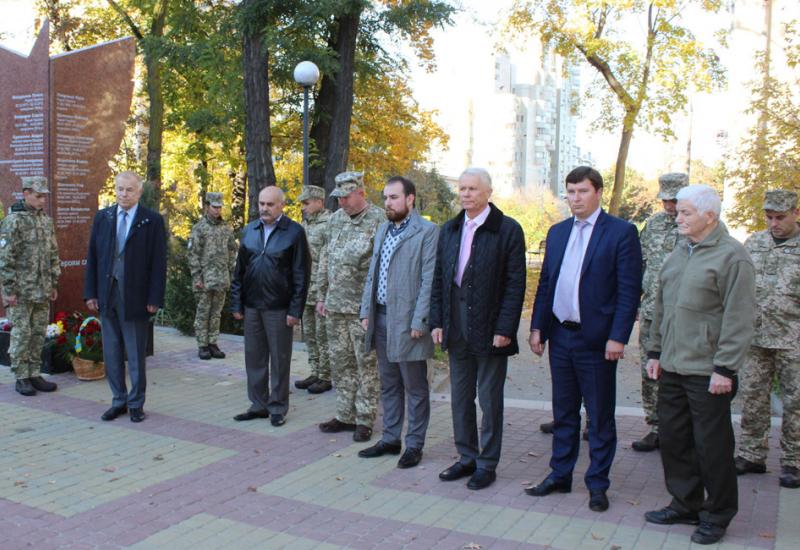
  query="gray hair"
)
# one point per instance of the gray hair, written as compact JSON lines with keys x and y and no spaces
{"x":481,"y":173}
{"x":703,"y":197}
{"x":129,"y":174}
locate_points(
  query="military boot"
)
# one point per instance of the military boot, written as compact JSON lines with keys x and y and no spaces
{"x":320,"y":386}
{"x":790,"y":477}
{"x":216,"y":353}
{"x":744,"y":466}
{"x":305,"y":383}
{"x":25,"y":387}
{"x":646,"y":444}
{"x":204,"y":353}
{"x":41,"y":384}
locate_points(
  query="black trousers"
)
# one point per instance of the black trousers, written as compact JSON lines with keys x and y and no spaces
{"x":697,"y":445}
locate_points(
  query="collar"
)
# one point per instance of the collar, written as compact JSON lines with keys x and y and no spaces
{"x":272,"y":225}
{"x":492,"y":223}
{"x":131,"y":211}
{"x":592,"y":219}
{"x":480,"y":219}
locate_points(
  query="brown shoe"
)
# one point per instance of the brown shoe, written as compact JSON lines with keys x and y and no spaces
{"x":333,"y":426}
{"x":647,"y":444}
{"x":305,"y":382}
{"x":216,"y":353}
{"x":320,"y":386}
{"x":547,"y":427}
{"x":363,"y":433}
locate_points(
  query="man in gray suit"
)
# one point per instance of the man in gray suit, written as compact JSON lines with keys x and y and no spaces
{"x":396,"y":321}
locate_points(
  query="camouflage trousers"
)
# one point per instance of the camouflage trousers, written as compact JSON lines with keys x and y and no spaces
{"x":29,"y":322}
{"x":761,"y":368}
{"x":649,"y":386}
{"x":206,"y":318}
{"x":355,"y":372}
{"x":316,"y":338}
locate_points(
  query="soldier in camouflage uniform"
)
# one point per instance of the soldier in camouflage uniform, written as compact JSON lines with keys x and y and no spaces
{"x":658,"y":239}
{"x":212,"y":255}
{"x":29,"y":270}
{"x":315,"y":220}
{"x":776,"y":256}
{"x":342,"y":271}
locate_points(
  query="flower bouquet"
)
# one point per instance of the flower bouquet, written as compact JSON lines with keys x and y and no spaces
{"x":78,"y":340}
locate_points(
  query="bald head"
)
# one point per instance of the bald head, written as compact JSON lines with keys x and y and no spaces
{"x":271,"y":201}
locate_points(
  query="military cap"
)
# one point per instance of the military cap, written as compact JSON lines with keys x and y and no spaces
{"x":37,"y":184}
{"x":214,"y":199}
{"x":347,"y":182}
{"x":312,"y":192}
{"x":780,"y":200}
{"x":670,"y":184}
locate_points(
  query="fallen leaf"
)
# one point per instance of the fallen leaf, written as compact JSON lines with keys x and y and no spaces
{"x":615,"y":547}
{"x":597,"y":537}
{"x":158,"y":457}
{"x":531,"y":453}
{"x":523,"y":460}
{"x":113,"y":479}
{"x":338,"y":455}
{"x":339,"y":478}
{"x":332,"y":440}
{"x":109,"y":469}
{"x":252,"y":489}
{"x":472,"y":546}
{"x":19,"y":484}
{"x":767,"y":535}
{"x":633,"y":502}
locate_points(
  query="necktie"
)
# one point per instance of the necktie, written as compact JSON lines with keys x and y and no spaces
{"x":463,"y":257}
{"x":565,"y":305}
{"x":122,"y":230}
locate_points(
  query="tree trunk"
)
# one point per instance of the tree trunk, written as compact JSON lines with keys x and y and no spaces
{"x":156,"y":121}
{"x":238,"y":197}
{"x":619,"y":170}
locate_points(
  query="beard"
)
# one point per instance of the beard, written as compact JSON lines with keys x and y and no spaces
{"x":396,"y":215}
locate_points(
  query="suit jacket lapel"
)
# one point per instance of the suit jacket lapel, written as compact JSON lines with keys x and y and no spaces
{"x":560,"y":247}
{"x":597,"y":235}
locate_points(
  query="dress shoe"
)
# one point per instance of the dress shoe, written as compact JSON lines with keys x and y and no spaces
{"x":305,"y":382}
{"x":136,"y":414}
{"x":547,"y":427}
{"x":333,"y":426}
{"x":598,"y":501}
{"x":114,"y":412}
{"x":481,"y":479}
{"x":647,"y":444}
{"x":790,"y":477}
{"x":744,"y":466}
{"x":41,"y":384}
{"x":670,"y":516}
{"x":216,"y":353}
{"x":707,"y":533}
{"x":362,"y":433}
{"x":204,"y":353}
{"x":549,"y":485}
{"x":277,"y":420}
{"x":25,"y":387}
{"x":457,"y":471}
{"x":410,"y":458}
{"x":250,"y":415}
{"x":320,"y":386}
{"x":379,"y":449}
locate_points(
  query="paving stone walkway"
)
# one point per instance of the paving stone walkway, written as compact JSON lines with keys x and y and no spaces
{"x":191,"y":477}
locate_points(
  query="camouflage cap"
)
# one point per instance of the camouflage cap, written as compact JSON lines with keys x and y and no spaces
{"x":37,"y":184}
{"x":214,"y":199}
{"x":347,"y":182}
{"x":670,"y":184}
{"x":312,"y":192}
{"x":780,"y":200}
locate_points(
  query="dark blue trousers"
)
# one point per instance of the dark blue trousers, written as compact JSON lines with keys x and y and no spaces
{"x":581,"y":373}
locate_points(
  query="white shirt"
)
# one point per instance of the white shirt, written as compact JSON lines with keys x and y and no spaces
{"x":269,"y":228}
{"x":591,"y":221}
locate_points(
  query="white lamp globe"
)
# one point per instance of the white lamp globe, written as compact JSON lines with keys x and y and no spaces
{"x":306,"y":73}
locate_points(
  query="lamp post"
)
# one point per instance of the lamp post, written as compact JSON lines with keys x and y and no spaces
{"x":306,"y":74}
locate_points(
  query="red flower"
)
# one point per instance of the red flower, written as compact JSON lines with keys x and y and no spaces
{"x":61,"y":340}
{"x":89,"y":342}
{"x":61,"y":316}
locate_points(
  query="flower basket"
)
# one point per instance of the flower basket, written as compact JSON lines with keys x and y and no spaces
{"x":88,"y":370}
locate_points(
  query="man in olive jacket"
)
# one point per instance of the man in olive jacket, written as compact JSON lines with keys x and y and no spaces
{"x":701,"y":332}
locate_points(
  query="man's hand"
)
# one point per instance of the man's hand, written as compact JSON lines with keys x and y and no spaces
{"x":53,"y":295}
{"x":91,"y":303}
{"x":653,"y":368}
{"x":292,"y":321}
{"x":365,"y":323}
{"x":500,"y":341}
{"x":11,"y":300}
{"x":321,"y":309}
{"x":238,"y":315}
{"x":436,"y":334}
{"x":614,"y":350}
{"x":199,"y":284}
{"x":415,"y":334}
{"x":535,"y":341}
{"x":720,"y":384}
{"x":151,"y":309}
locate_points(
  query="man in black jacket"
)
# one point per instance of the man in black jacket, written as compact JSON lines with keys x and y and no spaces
{"x":476,"y":303}
{"x":269,"y":288}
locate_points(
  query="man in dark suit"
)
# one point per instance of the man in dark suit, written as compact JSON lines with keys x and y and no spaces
{"x":585,"y":306}
{"x":126,"y":273}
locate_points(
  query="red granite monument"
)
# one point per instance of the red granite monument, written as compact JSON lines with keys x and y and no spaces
{"x":63,"y":117}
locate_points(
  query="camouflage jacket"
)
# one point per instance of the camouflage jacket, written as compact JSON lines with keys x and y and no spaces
{"x":777,"y":323}
{"x":29,"y":265}
{"x":212,"y":253}
{"x":315,"y":233}
{"x":344,"y":258}
{"x":658,"y":240}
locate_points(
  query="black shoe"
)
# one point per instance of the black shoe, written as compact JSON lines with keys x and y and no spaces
{"x":137,"y":415}
{"x":744,"y":466}
{"x":646,"y":444}
{"x":481,"y":479}
{"x":598,"y":501}
{"x":216,"y":353}
{"x":204,"y":353}
{"x":379,"y":449}
{"x":410,"y":458}
{"x":457,"y":471}
{"x":362,"y":433}
{"x":305,"y":382}
{"x":320,"y":386}
{"x":547,"y":427}
{"x":670,"y":516}
{"x":549,"y":485}
{"x":789,"y":477}
{"x":25,"y":387}
{"x":277,"y":420}
{"x":250,"y":415}
{"x":114,"y":412}
{"x":334,"y":425}
{"x":41,"y":384}
{"x":708,"y":533}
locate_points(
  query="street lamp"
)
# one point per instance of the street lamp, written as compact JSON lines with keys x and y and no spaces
{"x":306,"y":74}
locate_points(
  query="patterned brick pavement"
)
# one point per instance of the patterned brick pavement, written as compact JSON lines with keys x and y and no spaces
{"x":191,"y":477}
